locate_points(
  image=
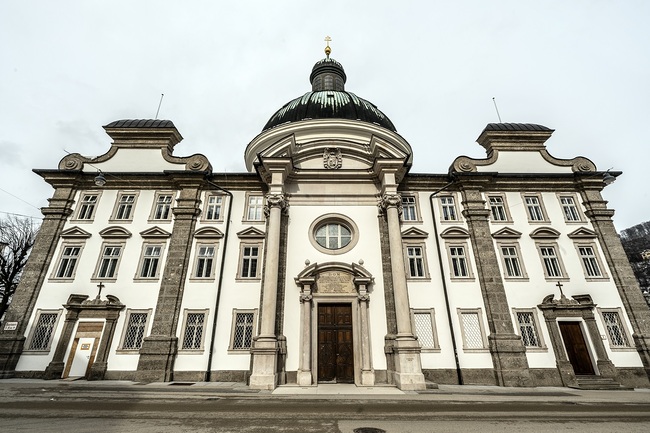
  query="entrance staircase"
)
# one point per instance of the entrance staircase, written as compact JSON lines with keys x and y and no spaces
{"x":597,"y":383}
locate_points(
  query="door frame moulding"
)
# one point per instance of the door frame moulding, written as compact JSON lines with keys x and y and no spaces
{"x":578,"y":309}
{"x":81,"y":308}
{"x":354,"y":289}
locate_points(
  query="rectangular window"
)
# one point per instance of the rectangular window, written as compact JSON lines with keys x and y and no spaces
{"x":124,"y":209}
{"x":108,"y":262}
{"x":162,"y":207}
{"x":472,"y":329}
{"x":41,"y":335}
{"x":194,"y":330}
{"x":534,"y":208}
{"x":409,"y":208}
{"x":254,"y":208}
{"x":425,"y":329}
{"x":589,"y":261}
{"x":87,"y":206}
{"x":459,"y":268}
{"x":150,"y":261}
{"x":135,"y":330}
{"x":551,"y":261}
{"x":448,"y":208}
{"x":213,"y":207}
{"x":68,"y":261}
{"x":511,"y":262}
{"x":497,"y":208}
{"x":615,"y":331}
{"x":249,"y":260}
{"x":415,"y":262}
{"x":204,"y":261}
{"x":569,"y":208}
{"x":243,"y":329}
{"x":528,"y":329}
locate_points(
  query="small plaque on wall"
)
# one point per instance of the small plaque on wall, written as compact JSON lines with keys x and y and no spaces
{"x":11,"y":326}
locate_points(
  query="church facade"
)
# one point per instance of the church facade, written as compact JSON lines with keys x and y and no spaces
{"x":328,"y":261}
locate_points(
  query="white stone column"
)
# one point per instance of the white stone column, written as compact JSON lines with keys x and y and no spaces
{"x":408,"y":367}
{"x":304,"y":369}
{"x":367,"y":373}
{"x":265,"y":349}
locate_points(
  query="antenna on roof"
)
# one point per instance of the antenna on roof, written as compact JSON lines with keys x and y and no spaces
{"x":496,"y":108}
{"x":162,"y":95}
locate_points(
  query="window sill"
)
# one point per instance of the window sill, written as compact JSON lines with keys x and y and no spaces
{"x":622,"y":349}
{"x":597,"y":279}
{"x":112,"y":221}
{"x":253,"y":221}
{"x":200,"y":351}
{"x":476,"y":350}
{"x":535,"y":349}
{"x":418,"y":279}
{"x":37,"y":352}
{"x":127,"y":351}
{"x":239,"y":351}
{"x":247,"y":280}
{"x":165,"y":221}
{"x":89,"y":221}
{"x":517,"y":279}
{"x":463,"y":279}
{"x":434,"y":350}
{"x":201,"y":280}
{"x":60,"y":280}
{"x":146,"y":280}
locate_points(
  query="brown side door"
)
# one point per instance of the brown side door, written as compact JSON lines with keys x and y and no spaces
{"x":335,"y":350}
{"x":576,"y":348}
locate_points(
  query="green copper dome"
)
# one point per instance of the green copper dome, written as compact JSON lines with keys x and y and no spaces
{"x":329,"y":100}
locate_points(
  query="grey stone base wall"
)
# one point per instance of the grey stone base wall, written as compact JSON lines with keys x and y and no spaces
{"x":120,"y":375}
{"x":189,"y":376}
{"x":478,"y":376}
{"x":29,"y":374}
{"x":381,"y":376}
{"x":545,"y":377}
{"x":445,"y":376}
{"x":230,"y":375}
{"x":634,"y":377}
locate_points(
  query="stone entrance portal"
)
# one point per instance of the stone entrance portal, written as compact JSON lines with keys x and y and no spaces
{"x":335,"y":335}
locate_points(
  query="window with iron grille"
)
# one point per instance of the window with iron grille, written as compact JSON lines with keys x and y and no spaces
{"x":472,"y":329}
{"x":68,"y":261}
{"x":41,"y":337}
{"x":424,"y":328}
{"x":254,"y":208}
{"x":497,"y":208}
{"x":415,"y":259}
{"x":569,"y":208}
{"x":162,"y":207}
{"x":193,"y":331}
{"x":204,"y":261}
{"x":459,"y":267}
{"x":511,"y":261}
{"x":528,"y":329}
{"x":150,"y":261}
{"x":409,"y":209}
{"x":249,"y":261}
{"x":448,"y":208}
{"x":615,"y":332}
{"x":589,"y":261}
{"x":124,"y":206}
{"x":242,"y":329}
{"x":135,"y":331}
{"x":87,"y":206}
{"x":552,"y":266}
{"x":213,"y":207}
{"x":534,"y":208}
{"x":109,"y":261}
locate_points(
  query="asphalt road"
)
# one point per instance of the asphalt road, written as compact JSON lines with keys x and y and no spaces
{"x":85,"y":409}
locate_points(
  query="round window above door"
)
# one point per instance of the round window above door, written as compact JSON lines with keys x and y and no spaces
{"x":333,"y":234}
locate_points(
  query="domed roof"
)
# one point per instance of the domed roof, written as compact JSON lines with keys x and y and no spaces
{"x":329,"y":100}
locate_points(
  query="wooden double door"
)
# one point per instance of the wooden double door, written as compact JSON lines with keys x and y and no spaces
{"x":576,"y":348}
{"x":335,"y":344}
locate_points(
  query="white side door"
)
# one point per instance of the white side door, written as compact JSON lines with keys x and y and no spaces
{"x":82,"y":357}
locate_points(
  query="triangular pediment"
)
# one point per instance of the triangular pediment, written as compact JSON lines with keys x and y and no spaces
{"x":155,"y":233}
{"x":455,"y":233}
{"x":414,"y":233}
{"x":506,"y":233}
{"x":545,"y":233}
{"x":582,"y":233}
{"x":75,"y":233}
{"x":208,"y":233}
{"x":115,"y":232}
{"x":251,"y":233}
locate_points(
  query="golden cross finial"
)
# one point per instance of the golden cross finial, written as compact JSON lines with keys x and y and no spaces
{"x":328,"y":50}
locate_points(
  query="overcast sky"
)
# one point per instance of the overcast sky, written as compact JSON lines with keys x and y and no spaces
{"x":580,"y":67}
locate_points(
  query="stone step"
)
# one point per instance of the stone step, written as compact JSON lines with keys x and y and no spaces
{"x":597,"y":383}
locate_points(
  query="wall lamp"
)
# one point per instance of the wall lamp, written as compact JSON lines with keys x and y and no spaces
{"x":100,"y":180}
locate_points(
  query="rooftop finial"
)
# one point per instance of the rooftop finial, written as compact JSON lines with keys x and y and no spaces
{"x":328,"y":50}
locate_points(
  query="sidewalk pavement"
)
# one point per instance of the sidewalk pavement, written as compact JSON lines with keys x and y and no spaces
{"x":445,"y":393}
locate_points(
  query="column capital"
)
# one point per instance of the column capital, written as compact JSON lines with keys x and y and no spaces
{"x":391,"y":201}
{"x":275,"y":200}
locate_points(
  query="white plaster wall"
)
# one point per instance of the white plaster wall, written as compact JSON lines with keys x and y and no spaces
{"x":130,"y":160}
{"x":367,"y":249}
{"x":519,"y":162}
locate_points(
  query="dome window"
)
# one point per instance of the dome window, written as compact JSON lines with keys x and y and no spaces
{"x":329,"y":82}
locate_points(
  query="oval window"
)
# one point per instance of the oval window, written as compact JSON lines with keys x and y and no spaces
{"x":333,"y":236}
